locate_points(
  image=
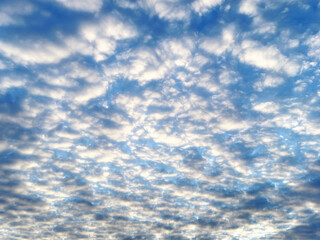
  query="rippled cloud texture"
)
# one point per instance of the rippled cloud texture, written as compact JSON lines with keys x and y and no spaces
{"x":159,"y":119}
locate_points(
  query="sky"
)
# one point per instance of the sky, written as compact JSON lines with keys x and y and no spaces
{"x":159,"y":119}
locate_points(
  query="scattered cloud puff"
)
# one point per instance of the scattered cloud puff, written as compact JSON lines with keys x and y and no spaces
{"x":30,"y":52}
{"x":203,"y":6}
{"x":314,"y":45}
{"x":249,"y":7}
{"x":220,"y":44}
{"x":146,"y":64}
{"x":108,"y":27}
{"x":266,"y":107}
{"x":99,"y":39}
{"x":172,"y":10}
{"x":82,"y":5}
{"x":267,"y":57}
{"x":268,"y":81}
{"x":167,"y":9}
{"x":159,"y":119}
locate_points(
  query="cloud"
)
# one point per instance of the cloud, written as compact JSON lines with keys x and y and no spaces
{"x":231,"y":124}
{"x":228,"y":77}
{"x":82,"y":5}
{"x":254,"y":9}
{"x":9,"y":82}
{"x":268,"y":81}
{"x":109,"y":26}
{"x":301,"y":86}
{"x":62,"y":83}
{"x":97,"y":40}
{"x":127,"y":4}
{"x":146,"y":64}
{"x":172,"y":10}
{"x":168,"y":9}
{"x":206,"y":131}
{"x":219,"y":44}
{"x":202,"y":6}
{"x":249,"y":7}
{"x":89,"y":92}
{"x":266,"y":57}
{"x":34,"y":52}
{"x":143,"y":64}
{"x":313,"y":42}
{"x":266,"y":107}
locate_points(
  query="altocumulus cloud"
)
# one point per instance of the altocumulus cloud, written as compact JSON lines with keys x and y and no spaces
{"x":158,"y":119}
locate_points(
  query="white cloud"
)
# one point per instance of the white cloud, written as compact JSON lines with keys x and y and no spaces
{"x":54,"y":93}
{"x":314,"y":45}
{"x":266,"y":57}
{"x":271,"y":81}
{"x":268,"y":81}
{"x":227,"y":124}
{"x":171,"y":10}
{"x":57,"y":79}
{"x":82,"y":5}
{"x":8,"y":82}
{"x":228,"y":77}
{"x":292,"y":43}
{"x":174,"y":9}
{"x":100,"y":48}
{"x":179,"y":52}
{"x":202,"y":6}
{"x":266,"y":107}
{"x":99,"y":39}
{"x":300,"y":86}
{"x":206,"y":81}
{"x":219,"y":44}
{"x":66,"y":77}
{"x":116,"y":28}
{"x":296,"y":119}
{"x":89,"y":92}
{"x":145,"y":64}
{"x":127,"y":4}
{"x":31,"y":52}
{"x":264,"y":27}
{"x":162,"y":136}
{"x":249,"y":7}
{"x":167,"y":9}
{"x":188,"y":119}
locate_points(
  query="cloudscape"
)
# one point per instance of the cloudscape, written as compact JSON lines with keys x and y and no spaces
{"x":159,"y":119}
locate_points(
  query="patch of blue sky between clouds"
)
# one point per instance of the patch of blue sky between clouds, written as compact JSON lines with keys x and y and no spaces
{"x":158,"y":119}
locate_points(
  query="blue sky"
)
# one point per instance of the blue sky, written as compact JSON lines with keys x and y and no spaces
{"x":159,"y":119}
